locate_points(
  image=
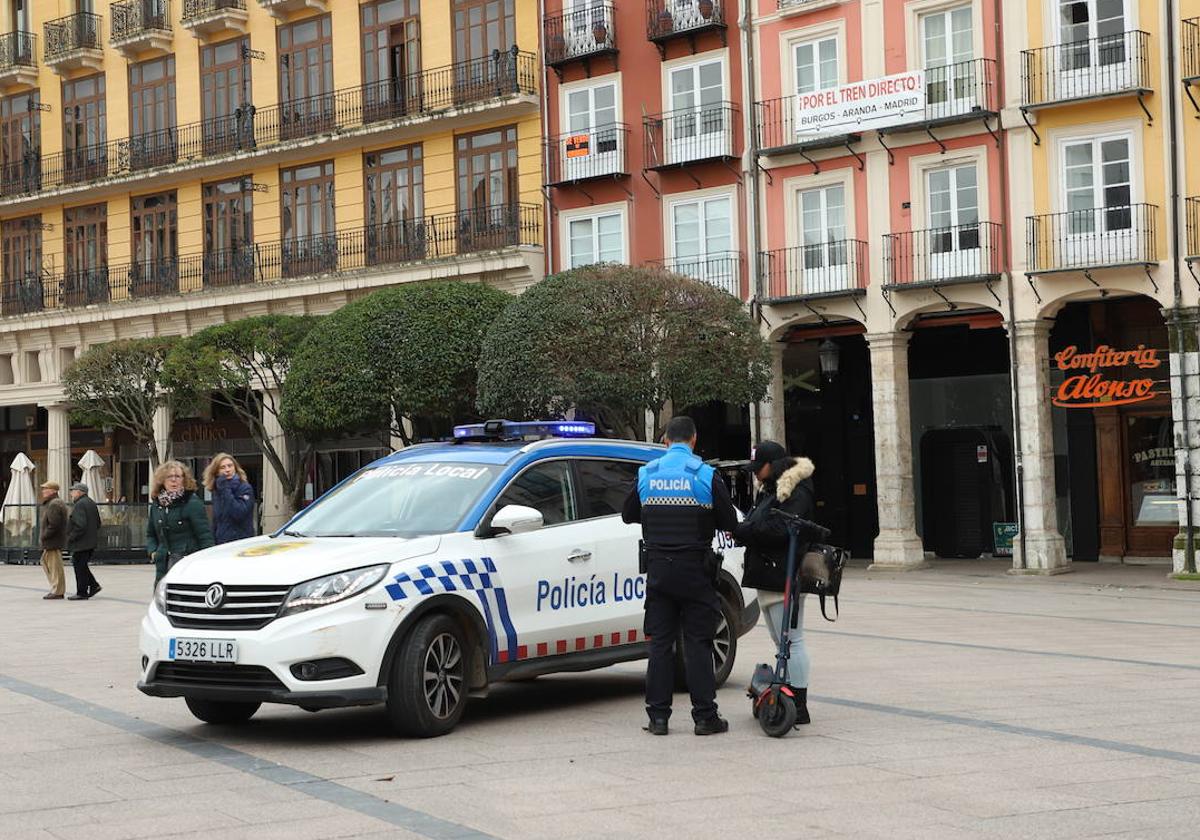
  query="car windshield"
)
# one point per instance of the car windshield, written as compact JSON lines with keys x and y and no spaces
{"x":398,"y":500}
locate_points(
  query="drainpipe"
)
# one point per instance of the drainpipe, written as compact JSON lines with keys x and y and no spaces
{"x":1006,"y":241}
{"x":750,"y":176}
{"x":548,"y":211}
{"x":1177,"y":248}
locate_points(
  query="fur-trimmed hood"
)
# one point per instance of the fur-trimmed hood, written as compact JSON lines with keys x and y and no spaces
{"x":791,"y":477}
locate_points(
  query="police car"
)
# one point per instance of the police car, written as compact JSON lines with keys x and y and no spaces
{"x":422,"y":579}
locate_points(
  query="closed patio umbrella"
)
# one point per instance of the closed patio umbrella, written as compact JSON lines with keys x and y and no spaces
{"x":93,"y":475}
{"x":19,"y":510}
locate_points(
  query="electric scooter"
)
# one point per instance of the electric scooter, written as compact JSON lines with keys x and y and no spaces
{"x":772,"y":700}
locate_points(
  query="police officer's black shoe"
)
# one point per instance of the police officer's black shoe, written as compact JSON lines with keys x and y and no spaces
{"x":656,"y":727}
{"x":713,"y":726}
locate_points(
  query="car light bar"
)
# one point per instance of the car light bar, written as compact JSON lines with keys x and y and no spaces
{"x":501,"y":429}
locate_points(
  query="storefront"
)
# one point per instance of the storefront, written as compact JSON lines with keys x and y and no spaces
{"x":1114,"y":435}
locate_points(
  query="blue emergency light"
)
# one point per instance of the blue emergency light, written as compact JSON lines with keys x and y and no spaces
{"x":507,"y":429}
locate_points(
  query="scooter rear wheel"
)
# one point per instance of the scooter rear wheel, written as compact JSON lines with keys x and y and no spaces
{"x":777,"y":715}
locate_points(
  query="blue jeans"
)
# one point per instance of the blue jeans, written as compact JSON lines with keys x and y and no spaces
{"x":798,"y":661}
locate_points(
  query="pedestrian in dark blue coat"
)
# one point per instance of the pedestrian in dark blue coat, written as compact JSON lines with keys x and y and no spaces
{"x":232,"y":499}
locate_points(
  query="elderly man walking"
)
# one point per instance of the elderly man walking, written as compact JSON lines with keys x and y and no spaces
{"x":53,"y":534}
{"x":83,"y":535}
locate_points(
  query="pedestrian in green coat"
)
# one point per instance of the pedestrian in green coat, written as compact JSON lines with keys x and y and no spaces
{"x":178,"y":523}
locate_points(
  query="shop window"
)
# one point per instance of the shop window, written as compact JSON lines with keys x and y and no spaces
{"x":1150,"y":449}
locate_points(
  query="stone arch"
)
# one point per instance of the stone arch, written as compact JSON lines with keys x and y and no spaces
{"x":1064,"y":294}
{"x":780,"y":318}
{"x":980,"y":300}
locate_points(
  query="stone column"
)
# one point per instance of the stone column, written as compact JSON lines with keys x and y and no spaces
{"x":58,"y":447}
{"x":897,"y":546}
{"x":163,"y":422}
{"x":1045,"y":551}
{"x":1185,"y":362}
{"x":772,"y":424}
{"x":275,"y":506}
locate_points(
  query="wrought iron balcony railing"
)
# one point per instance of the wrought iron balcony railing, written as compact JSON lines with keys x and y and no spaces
{"x":134,"y":20}
{"x":1193,"y":227}
{"x":690,"y":135}
{"x":465,"y":84}
{"x":724,"y":269}
{"x":71,"y":34}
{"x":579,"y":34}
{"x":440,"y":236}
{"x":1190,"y":36}
{"x":1094,"y":237}
{"x":21,"y":175}
{"x":1090,"y":69}
{"x":667,"y":19}
{"x":584,"y":155}
{"x":195,"y":11}
{"x":960,"y":91}
{"x":18,"y":49}
{"x":778,"y":131}
{"x":943,"y":255}
{"x":822,"y":268}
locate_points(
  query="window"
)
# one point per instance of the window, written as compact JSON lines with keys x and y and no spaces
{"x":592,"y":111}
{"x":954,"y":240}
{"x":1097,"y":183}
{"x":595,"y":239}
{"x":224,"y":87}
{"x":948,"y":46}
{"x":305,"y":77}
{"x":152,"y":113}
{"x":816,"y":64}
{"x":84,"y":131}
{"x":487,"y":189}
{"x":85,"y":242}
{"x":1082,"y":20}
{"x":547,"y":488}
{"x":308,"y":219}
{"x":604,"y":485}
{"x":228,"y":233}
{"x":702,"y":239}
{"x":482,"y":27}
{"x":391,"y":36}
{"x":824,"y":254}
{"x":696,"y":127}
{"x":20,"y":143}
{"x":155,"y":245}
{"x":22,"y":249}
{"x":394,"y":186}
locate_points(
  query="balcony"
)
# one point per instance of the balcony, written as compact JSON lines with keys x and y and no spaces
{"x":22,"y":174}
{"x":1100,"y":237}
{"x":580,"y":35}
{"x":207,"y":18}
{"x":722,"y":269}
{"x":437,"y":237}
{"x":937,"y":256}
{"x":139,"y":26}
{"x":1193,"y":228}
{"x":18,"y":60}
{"x":282,"y":8}
{"x":822,"y":269}
{"x":959,"y":92}
{"x":585,"y":156}
{"x":778,"y":133}
{"x":1098,"y":68}
{"x":667,"y":20}
{"x":690,"y":135}
{"x":473,"y":85}
{"x":73,"y":43}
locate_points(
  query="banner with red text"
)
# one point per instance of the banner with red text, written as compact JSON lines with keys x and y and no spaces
{"x":859,"y":106}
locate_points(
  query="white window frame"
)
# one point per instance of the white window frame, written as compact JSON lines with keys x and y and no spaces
{"x":793,"y":38}
{"x":728,"y":133}
{"x":695,"y":197}
{"x":594,"y":213}
{"x":914,"y":38}
{"x":1051,"y":11}
{"x":621,"y":158}
{"x":1131,"y":131}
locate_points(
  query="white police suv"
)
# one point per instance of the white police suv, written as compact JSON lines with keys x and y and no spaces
{"x":422,"y":579}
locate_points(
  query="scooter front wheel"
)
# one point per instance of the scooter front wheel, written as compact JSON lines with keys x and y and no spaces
{"x":777,"y":715}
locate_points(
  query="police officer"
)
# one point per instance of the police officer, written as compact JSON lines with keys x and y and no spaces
{"x":681,"y":502}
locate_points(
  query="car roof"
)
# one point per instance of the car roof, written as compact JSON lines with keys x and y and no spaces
{"x":509,"y":451}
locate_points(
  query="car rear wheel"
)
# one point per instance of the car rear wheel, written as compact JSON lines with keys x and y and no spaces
{"x":221,"y":711}
{"x":427,"y":690}
{"x":725,"y":642}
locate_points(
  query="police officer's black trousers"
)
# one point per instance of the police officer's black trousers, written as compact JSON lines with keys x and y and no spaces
{"x":680,"y":596}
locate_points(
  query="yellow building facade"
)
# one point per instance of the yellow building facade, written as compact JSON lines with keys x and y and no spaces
{"x":169,"y":164}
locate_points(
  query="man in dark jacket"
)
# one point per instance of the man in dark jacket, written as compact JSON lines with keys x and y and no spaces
{"x":83,"y":534}
{"x":787,"y":485}
{"x":53,"y":536}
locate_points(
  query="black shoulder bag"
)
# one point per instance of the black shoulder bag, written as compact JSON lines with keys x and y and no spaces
{"x":821,"y":574}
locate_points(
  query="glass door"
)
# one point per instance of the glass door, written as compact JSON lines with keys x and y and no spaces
{"x":305,"y":78}
{"x":1099,"y":195}
{"x":702,"y":235}
{"x":85,"y":148}
{"x":824,"y":263}
{"x":587,"y":26}
{"x":224,"y":90}
{"x":392,"y":84}
{"x":310,"y":243}
{"x":85,"y":241}
{"x":488,"y":213}
{"x":155,"y":245}
{"x":20,"y":144}
{"x":949,"y":47}
{"x":396,"y":230}
{"x":484,"y":32}
{"x":228,"y":233}
{"x":152,"y":140}
{"x":954,"y":247}
{"x":592,"y":112}
{"x":1094,"y":55}
{"x":696,"y":127}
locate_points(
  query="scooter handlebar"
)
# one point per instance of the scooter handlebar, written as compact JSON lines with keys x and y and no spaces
{"x":801,"y":524}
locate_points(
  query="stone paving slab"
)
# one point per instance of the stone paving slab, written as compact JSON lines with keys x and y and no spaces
{"x":953,"y":703}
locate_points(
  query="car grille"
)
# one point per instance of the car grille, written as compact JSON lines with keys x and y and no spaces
{"x":244,"y":608}
{"x":206,"y":675}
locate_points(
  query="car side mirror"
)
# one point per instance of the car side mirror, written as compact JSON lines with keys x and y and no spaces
{"x":516,"y":519}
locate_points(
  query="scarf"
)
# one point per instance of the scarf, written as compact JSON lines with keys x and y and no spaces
{"x":166,"y":498}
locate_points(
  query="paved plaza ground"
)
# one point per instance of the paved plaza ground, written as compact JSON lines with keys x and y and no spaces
{"x":953,"y":702}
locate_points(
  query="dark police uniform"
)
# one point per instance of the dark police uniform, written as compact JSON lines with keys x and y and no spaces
{"x":680,"y":502}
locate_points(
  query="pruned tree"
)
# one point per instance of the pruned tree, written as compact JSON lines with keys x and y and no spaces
{"x":397,"y":354}
{"x":242,"y":366}
{"x":616,"y":341}
{"x":120,"y":384}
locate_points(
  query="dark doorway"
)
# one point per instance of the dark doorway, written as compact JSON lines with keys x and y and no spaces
{"x":967,"y":485}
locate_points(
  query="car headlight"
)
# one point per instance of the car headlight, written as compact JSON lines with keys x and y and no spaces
{"x":160,"y":596}
{"x":331,"y":589}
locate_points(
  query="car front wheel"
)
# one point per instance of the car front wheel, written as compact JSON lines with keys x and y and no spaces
{"x":427,"y":689}
{"x":221,"y":711}
{"x":725,"y":642}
